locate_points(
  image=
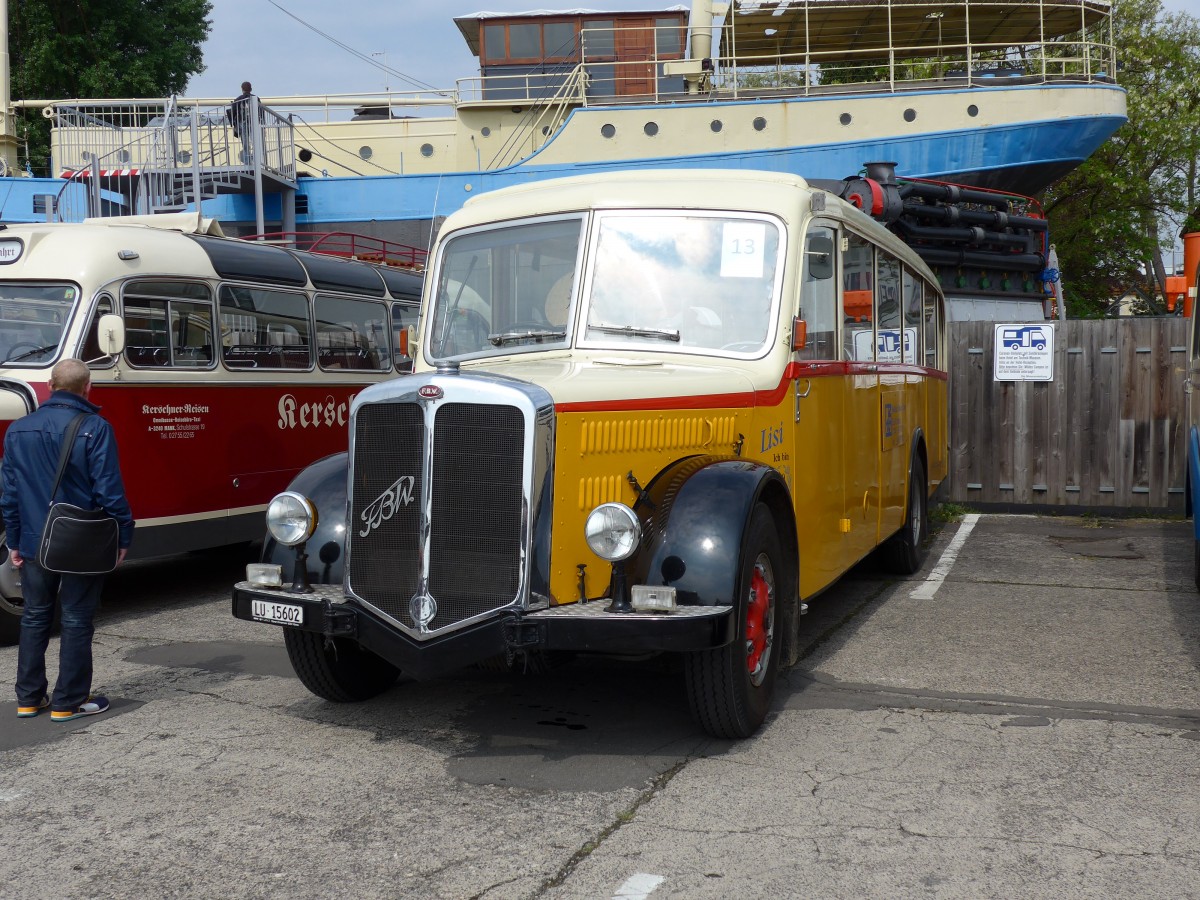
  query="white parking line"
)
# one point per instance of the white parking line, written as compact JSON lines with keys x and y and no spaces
{"x":638,"y":887}
{"x":946,"y":563}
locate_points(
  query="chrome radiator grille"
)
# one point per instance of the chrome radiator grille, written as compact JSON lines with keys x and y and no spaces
{"x":475,"y":500}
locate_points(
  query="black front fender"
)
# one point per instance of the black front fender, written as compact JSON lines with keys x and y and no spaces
{"x":324,"y":483}
{"x":695,"y":530}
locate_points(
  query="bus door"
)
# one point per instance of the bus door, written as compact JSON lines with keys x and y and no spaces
{"x":818,"y":416}
{"x":860,"y":431}
{"x":895,"y":406}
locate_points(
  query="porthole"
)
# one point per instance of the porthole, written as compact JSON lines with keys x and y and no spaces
{"x":485,"y":131}
{"x":651,"y":129}
{"x":715,"y":125}
{"x":972,"y":110}
{"x":759,"y":123}
{"x":123,"y":156}
{"x":608,"y":130}
{"x":427,"y":149}
{"x":545,"y":129}
{"x":846,"y":118}
{"x":305,"y":154}
{"x":85,"y":155}
{"x":365,"y":152}
{"x":184,"y":157}
{"x":910,"y":115}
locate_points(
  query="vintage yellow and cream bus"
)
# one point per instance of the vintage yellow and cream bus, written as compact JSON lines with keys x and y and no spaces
{"x":224,"y":366}
{"x":653,"y":411}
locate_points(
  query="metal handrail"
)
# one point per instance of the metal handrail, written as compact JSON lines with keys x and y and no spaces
{"x":349,"y":245}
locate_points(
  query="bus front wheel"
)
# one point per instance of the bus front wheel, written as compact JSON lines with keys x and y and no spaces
{"x":729,"y":689}
{"x":337,"y":669}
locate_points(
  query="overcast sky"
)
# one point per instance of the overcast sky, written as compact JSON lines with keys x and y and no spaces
{"x":256,"y":41}
{"x":282,"y":54}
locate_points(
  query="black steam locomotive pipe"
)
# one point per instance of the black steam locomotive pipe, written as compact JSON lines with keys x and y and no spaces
{"x":952,"y":193}
{"x":954,"y":215}
{"x":977,"y":236}
{"x":1025,"y":262}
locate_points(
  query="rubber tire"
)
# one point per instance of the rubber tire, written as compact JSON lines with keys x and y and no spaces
{"x":341,"y":671}
{"x":904,"y":552}
{"x":10,"y":598}
{"x":723,"y":699}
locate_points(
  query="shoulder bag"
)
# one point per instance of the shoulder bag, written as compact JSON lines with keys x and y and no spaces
{"x":76,"y":541}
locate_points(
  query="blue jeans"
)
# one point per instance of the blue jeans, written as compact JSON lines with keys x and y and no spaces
{"x":79,"y":596}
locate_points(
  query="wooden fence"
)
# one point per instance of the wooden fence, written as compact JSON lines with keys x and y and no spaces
{"x":1106,"y":433}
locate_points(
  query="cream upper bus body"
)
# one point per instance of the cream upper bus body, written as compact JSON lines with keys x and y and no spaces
{"x":589,"y":366}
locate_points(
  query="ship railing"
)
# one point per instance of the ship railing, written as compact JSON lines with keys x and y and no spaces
{"x":874,"y":70}
{"x":142,"y":156}
{"x":349,"y":246}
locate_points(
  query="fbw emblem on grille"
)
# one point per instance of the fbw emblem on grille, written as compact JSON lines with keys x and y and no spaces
{"x":386,"y":504}
{"x":430,"y":392}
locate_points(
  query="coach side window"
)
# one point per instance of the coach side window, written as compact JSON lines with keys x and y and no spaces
{"x":818,"y":294}
{"x":168,"y":324}
{"x":404,"y":329}
{"x":913,"y":315}
{"x":91,"y":352}
{"x":889,"y":338}
{"x":351,"y":334}
{"x":858,"y":298}
{"x":932,"y":357}
{"x":264,"y":329}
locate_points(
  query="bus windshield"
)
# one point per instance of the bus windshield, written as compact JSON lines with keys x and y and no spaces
{"x":701,"y":282}
{"x":690,"y":281}
{"x":33,"y":320}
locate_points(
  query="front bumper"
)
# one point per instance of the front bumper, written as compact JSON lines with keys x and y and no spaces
{"x":580,"y":627}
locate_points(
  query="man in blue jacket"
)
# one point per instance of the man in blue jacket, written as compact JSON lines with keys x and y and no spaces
{"x":92,"y":480}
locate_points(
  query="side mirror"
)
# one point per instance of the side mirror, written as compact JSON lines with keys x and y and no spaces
{"x":110,"y":334}
{"x":799,"y":333}
{"x":819,"y":251}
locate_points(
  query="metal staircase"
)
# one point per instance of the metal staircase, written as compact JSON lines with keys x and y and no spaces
{"x":140,"y":157}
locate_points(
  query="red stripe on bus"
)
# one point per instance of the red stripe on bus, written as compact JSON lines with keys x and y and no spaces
{"x":772,"y":397}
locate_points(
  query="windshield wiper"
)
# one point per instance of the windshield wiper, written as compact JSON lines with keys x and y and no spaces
{"x":509,"y":337}
{"x":45,"y":349}
{"x":637,"y":332}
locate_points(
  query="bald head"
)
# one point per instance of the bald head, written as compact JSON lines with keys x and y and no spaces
{"x":71,"y":375}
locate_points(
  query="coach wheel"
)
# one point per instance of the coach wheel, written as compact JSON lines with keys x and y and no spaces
{"x":11,"y":604}
{"x":729,"y":689}
{"x":905,"y":551}
{"x":337,"y":669}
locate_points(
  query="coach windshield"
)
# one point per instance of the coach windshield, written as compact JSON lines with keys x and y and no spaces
{"x":33,"y":320}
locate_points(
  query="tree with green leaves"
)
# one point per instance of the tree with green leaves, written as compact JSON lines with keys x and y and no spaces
{"x":99,"y":49}
{"x":1112,"y":217}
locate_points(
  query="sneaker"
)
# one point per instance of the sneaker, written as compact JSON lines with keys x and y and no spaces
{"x":90,"y":707}
{"x":25,"y":712}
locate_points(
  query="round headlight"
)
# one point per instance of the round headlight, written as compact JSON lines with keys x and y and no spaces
{"x":613,"y":531}
{"x":291,"y":518}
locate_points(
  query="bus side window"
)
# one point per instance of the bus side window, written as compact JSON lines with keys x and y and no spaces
{"x":352,"y":334}
{"x":931,"y":330}
{"x":858,"y":299}
{"x":91,"y":351}
{"x":168,"y":323}
{"x":889,"y":338}
{"x":818,"y":294}
{"x":912,"y":318}
{"x":264,"y":329}
{"x":404,"y":328}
